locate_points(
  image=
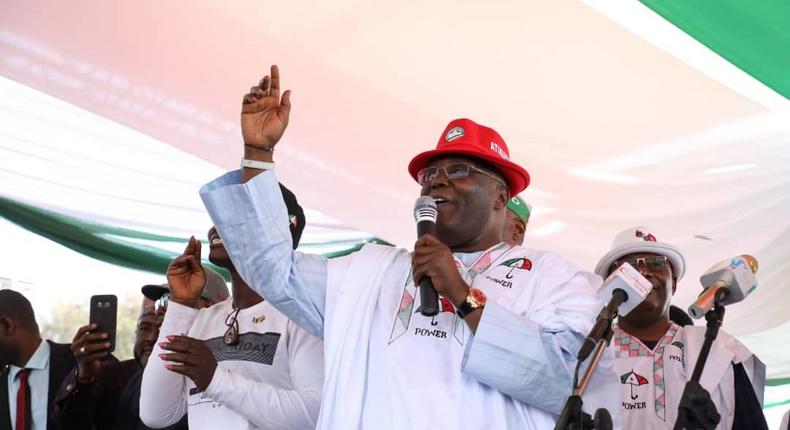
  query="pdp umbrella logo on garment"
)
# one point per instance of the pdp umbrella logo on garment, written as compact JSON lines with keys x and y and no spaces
{"x":454,"y":133}
{"x":634,"y":380}
{"x":445,"y":305}
{"x":517,"y":263}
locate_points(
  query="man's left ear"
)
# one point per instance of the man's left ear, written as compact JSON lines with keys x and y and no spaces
{"x":674,"y":285}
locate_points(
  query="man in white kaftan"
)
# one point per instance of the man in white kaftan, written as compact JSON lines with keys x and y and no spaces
{"x":499,"y":354}
{"x":655,"y":357}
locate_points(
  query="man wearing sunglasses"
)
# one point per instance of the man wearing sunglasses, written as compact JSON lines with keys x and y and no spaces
{"x":498,"y":355}
{"x":241,"y":364}
{"x":655,"y":356}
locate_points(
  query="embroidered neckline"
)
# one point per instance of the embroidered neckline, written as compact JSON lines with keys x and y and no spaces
{"x":405,"y":310}
{"x":483,"y":262}
{"x":627,"y":346}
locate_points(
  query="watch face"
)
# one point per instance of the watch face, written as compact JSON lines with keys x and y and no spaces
{"x":478,"y":295}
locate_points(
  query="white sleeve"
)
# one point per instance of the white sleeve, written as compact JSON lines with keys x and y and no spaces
{"x":252,"y":220}
{"x":531,"y":356}
{"x":162,"y":396}
{"x":268,"y":407}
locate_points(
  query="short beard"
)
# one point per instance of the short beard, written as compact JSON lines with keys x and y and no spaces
{"x":141,"y":361}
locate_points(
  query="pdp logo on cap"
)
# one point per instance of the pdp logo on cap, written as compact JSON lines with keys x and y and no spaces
{"x":454,"y":133}
{"x":646,"y":237}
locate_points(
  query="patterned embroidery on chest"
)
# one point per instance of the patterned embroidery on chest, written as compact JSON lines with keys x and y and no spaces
{"x":479,"y":266}
{"x":627,"y":346}
{"x":407,"y":310}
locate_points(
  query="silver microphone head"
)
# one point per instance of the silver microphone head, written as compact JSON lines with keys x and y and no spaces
{"x":425,"y":209}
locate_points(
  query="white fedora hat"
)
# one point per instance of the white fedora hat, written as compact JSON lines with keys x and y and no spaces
{"x":636,"y":240}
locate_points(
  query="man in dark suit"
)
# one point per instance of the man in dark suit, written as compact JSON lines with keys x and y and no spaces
{"x":32,"y":368}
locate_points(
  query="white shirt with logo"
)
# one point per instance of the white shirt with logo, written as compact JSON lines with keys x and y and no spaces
{"x":388,"y":366}
{"x":652,"y":381}
{"x":271,"y":380}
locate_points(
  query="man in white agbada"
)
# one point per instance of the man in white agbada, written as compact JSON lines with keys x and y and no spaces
{"x":655,"y":357}
{"x":500,"y":353}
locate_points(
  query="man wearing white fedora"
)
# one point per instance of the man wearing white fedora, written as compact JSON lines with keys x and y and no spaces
{"x":655,"y":357}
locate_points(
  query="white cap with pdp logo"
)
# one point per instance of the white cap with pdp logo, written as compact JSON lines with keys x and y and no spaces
{"x":641,"y":239}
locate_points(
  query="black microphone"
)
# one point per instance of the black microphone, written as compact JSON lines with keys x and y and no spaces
{"x":425,"y":215}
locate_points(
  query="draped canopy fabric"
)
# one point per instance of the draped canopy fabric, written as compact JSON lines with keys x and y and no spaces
{"x":669,"y":114}
{"x":109,"y":192}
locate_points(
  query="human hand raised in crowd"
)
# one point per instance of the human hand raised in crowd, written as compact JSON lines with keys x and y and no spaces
{"x":191,"y":358}
{"x":264,"y":115}
{"x":434,"y":259}
{"x":89,"y":347}
{"x":186,"y":275}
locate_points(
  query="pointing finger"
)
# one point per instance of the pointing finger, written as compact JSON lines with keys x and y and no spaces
{"x":275,"y":89}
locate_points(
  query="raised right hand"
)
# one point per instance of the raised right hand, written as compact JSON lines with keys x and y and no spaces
{"x":89,"y":347}
{"x":186,"y":275}
{"x":264,"y":116}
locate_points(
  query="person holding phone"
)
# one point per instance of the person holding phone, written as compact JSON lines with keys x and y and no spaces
{"x":243,"y":364}
{"x":102,"y":392}
{"x":32,"y":368}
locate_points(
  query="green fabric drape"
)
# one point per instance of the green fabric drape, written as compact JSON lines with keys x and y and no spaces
{"x":113,"y":244}
{"x":775,"y":382}
{"x":751,"y":34}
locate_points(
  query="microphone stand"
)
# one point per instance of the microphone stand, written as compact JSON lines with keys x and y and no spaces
{"x":696,"y":409}
{"x":572,"y":417}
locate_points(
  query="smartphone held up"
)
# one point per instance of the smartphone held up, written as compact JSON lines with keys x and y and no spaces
{"x":104,"y":313}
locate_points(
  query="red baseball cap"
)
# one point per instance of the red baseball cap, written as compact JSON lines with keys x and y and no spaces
{"x":466,"y":137}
